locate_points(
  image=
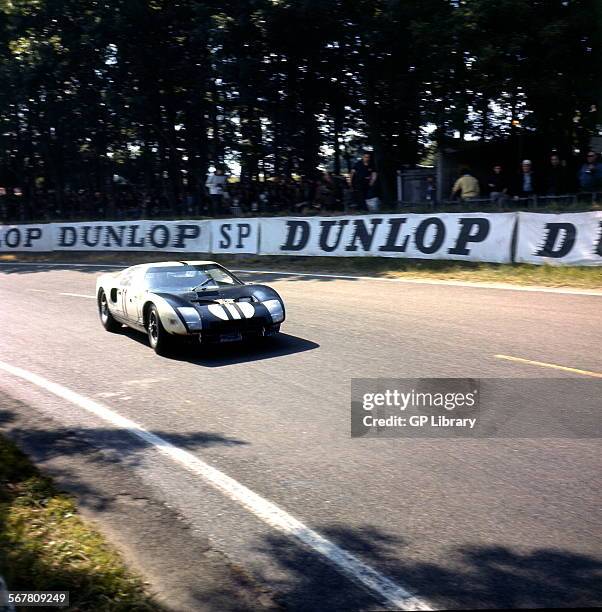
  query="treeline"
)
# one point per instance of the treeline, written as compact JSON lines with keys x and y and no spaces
{"x":156,"y":91}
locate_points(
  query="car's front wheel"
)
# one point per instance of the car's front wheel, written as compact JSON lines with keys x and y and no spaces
{"x":158,"y":338}
{"x":106,"y":318}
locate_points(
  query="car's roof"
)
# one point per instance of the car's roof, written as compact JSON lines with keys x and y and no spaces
{"x":163,"y":264}
{"x":199,"y":262}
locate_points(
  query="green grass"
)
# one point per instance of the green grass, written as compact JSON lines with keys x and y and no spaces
{"x":519,"y":274}
{"x":45,"y":545}
{"x":579,"y":277}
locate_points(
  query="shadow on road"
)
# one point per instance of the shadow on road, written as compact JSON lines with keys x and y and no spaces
{"x":44,"y":547}
{"x":474,"y":576}
{"x":265,"y":348}
{"x":218,"y":355}
{"x":95,"y":465}
{"x":37,"y":268}
{"x":6,"y":416}
{"x":469,"y":576}
{"x":100,"y":445}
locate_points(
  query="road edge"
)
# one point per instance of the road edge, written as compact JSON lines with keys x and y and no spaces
{"x":126,"y":511}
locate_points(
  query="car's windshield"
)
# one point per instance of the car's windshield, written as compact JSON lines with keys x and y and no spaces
{"x":187,"y":278}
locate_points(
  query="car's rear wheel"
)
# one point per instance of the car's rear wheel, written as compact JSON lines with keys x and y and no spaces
{"x":106,"y":318}
{"x":158,"y":338}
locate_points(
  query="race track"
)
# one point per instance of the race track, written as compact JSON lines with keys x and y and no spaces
{"x":460,"y":523}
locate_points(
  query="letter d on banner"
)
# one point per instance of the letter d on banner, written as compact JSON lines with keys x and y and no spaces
{"x":297,"y":236}
{"x":565,"y":239}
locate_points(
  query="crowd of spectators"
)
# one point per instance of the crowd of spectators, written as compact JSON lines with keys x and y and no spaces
{"x":326,"y":192}
{"x":222,"y":197}
{"x":552,"y":181}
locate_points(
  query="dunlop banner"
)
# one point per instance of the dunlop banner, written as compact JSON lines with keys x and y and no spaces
{"x":468,"y":237}
{"x":562,"y":239}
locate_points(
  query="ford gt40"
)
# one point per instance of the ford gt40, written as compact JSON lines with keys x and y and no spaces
{"x":177,"y":299}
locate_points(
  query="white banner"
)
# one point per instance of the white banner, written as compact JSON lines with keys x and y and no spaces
{"x":235,"y":236}
{"x":467,"y":237}
{"x":573,"y":239}
{"x":193,"y":236}
{"x":26,"y":237}
{"x":568,"y":238}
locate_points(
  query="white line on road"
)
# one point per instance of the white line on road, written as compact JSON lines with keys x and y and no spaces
{"x":81,"y":295}
{"x":394,"y":595}
{"x":415,"y":281}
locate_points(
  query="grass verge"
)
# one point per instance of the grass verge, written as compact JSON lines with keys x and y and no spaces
{"x":578,"y":277}
{"x":517,"y":274}
{"x":45,"y":545}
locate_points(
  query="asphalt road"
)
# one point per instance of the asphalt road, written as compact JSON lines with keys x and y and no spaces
{"x":496,"y":522}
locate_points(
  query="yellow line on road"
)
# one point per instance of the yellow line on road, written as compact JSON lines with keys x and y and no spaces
{"x":554,"y":366}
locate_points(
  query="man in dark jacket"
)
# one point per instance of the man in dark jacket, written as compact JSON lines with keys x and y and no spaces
{"x":556,"y":179}
{"x":362,"y":179}
{"x":590,"y":174}
{"x":526,"y":184}
{"x":498,"y":185}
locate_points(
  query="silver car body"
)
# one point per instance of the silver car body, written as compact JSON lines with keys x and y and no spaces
{"x":128,"y":299}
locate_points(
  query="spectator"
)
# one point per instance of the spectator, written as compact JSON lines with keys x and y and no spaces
{"x":264,"y":200}
{"x":363,"y":178}
{"x":430,"y":190}
{"x":590,"y":174}
{"x":99,"y":205}
{"x":216,"y":183}
{"x":467,"y":186}
{"x":189,"y":203}
{"x":556,"y":180}
{"x":498,"y":185}
{"x":526,"y":184}
{"x":323,"y":194}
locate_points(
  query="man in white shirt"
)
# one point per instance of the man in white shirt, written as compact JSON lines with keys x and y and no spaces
{"x":216,"y":184}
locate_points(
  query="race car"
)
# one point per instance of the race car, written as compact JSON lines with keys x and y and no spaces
{"x":176,"y":299}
